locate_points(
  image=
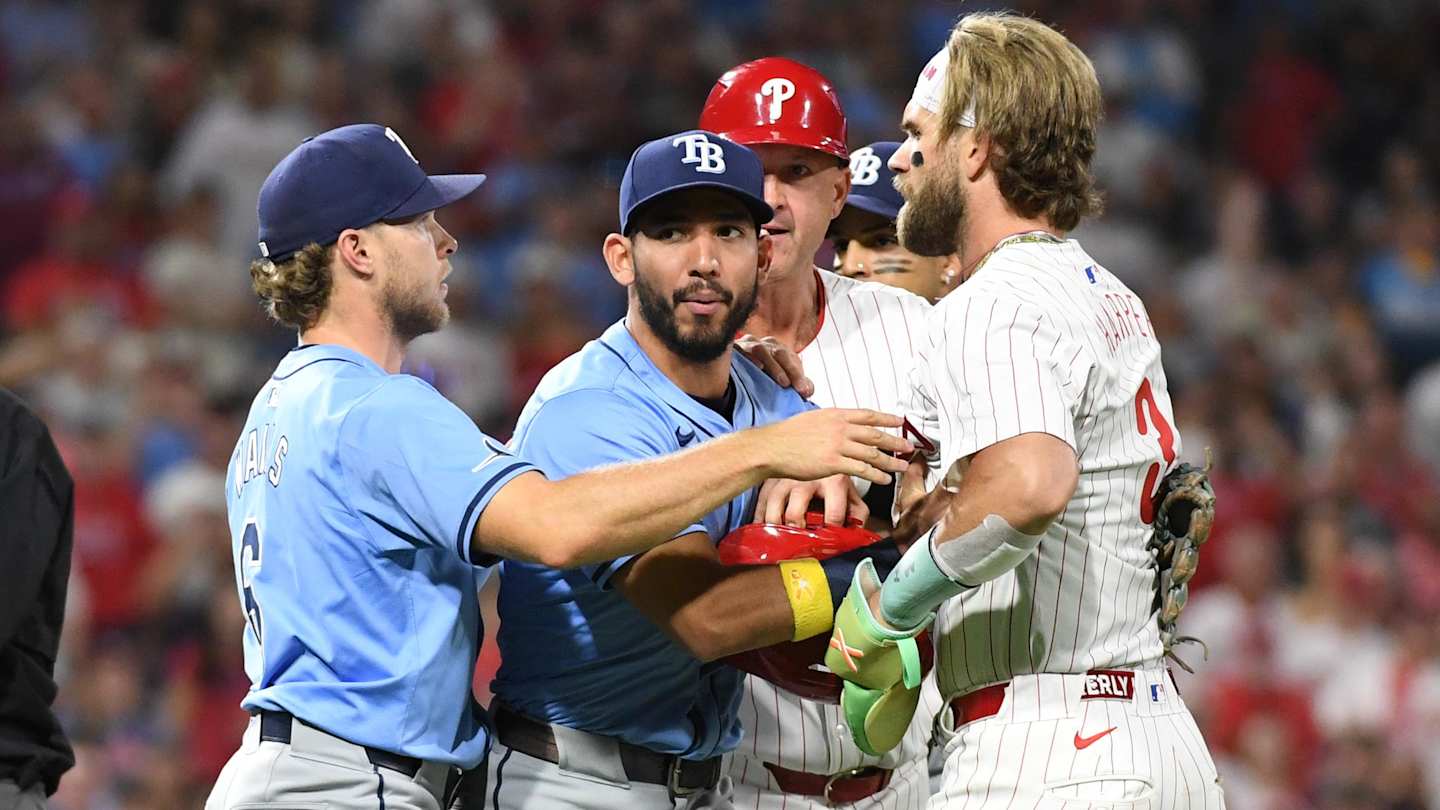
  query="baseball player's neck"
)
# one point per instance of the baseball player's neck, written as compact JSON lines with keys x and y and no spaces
{"x":706,"y":379}
{"x":989,"y":223}
{"x":368,"y":336}
{"x":788,"y":308}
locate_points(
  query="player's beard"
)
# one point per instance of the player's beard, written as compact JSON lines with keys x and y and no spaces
{"x":410,"y":308}
{"x":933,"y":217}
{"x":703,"y":343}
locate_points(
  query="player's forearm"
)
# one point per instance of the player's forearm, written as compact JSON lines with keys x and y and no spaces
{"x":629,"y":508}
{"x":991,"y":523}
{"x":745,"y":610}
{"x":714,"y":610}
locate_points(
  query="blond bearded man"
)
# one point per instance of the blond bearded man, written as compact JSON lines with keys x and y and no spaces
{"x":1039,"y":383}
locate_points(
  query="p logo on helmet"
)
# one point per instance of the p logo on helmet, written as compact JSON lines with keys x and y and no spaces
{"x":779,"y":90}
{"x":775,"y":100}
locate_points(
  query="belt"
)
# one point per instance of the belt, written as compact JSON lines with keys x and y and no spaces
{"x":1099,"y":683}
{"x":682,"y":777}
{"x":275,"y":727}
{"x":841,"y":788}
{"x":979,"y":704}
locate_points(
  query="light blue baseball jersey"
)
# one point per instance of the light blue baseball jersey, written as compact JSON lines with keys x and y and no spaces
{"x":352,"y":496}
{"x":573,"y":651}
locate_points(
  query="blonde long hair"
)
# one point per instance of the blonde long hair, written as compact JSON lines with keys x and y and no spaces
{"x":1035,"y":94}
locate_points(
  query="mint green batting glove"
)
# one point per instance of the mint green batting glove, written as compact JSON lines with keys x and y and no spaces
{"x":880,"y":667}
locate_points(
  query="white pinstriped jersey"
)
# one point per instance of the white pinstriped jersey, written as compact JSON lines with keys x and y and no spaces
{"x":860,"y":358}
{"x":1044,"y":339}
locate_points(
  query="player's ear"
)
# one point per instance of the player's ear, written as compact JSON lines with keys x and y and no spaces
{"x":950,"y":273}
{"x":620,"y":258}
{"x":975,"y":152}
{"x":356,"y":251}
{"x":842,"y":190}
{"x":765,"y":251}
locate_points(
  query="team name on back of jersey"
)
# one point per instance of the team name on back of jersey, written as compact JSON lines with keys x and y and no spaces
{"x":254,"y":446}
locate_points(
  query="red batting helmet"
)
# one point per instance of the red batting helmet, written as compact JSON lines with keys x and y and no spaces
{"x":798,"y":666}
{"x":777,"y":100}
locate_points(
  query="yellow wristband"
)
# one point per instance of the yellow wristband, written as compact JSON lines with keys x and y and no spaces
{"x":809,"y":593}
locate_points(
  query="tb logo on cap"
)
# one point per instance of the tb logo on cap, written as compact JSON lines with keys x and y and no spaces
{"x":864,"y":167}
{"x":709,"y":157}
{"x":779,"y":90}
{"x":390,"y":133}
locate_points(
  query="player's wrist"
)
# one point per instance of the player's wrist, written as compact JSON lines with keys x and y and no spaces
{"x":808,"y":591}
{"x":917,"y":586}
{"x":755,"y":451}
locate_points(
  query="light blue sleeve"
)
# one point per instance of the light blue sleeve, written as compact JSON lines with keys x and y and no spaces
{"x":589,"y":428}
{"x":417,"y":468}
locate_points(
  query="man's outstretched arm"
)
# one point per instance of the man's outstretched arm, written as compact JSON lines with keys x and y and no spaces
{"x":628,"y":508}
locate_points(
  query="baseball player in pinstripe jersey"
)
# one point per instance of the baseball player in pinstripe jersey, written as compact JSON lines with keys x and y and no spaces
{"x":855,"y":340}
{"x":1040,"y":384}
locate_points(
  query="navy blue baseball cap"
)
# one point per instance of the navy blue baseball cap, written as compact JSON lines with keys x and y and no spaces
{"x":693,"y":159}
{"x":872,"y":184}
{"x":348,"y":177}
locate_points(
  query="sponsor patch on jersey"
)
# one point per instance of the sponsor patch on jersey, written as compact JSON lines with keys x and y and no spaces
{"x":1109,"y":684}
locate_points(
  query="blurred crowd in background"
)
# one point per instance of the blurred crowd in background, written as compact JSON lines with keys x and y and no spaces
{"x":1271,"y":171}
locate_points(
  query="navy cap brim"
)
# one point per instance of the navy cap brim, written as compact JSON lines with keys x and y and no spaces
{"x":873,"y":205}
{"x":758,"y":208}
{"x":438,"y":191}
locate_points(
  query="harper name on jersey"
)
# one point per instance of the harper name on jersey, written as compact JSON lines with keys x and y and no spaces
{"x":1042,"y":338}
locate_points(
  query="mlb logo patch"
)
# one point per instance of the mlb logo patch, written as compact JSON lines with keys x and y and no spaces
{"x":1157,"y":692}
{"x":1090,"y":273}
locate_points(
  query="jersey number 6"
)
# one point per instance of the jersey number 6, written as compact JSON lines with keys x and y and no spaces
{"x":1145,"y":402}
{"x":249,"y":565}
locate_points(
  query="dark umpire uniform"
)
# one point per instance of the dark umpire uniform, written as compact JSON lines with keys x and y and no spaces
{"x":37,"y":511}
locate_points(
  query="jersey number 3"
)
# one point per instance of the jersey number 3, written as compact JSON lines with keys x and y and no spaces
{"x":1145,"y":404}
{"x":249,"y":565}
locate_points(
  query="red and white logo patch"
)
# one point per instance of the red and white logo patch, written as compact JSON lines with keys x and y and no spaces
{"x":1108,"y":684}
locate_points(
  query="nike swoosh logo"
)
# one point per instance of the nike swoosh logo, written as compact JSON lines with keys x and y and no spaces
{"x":684,"y":437}
{"x":1081,"y":743}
